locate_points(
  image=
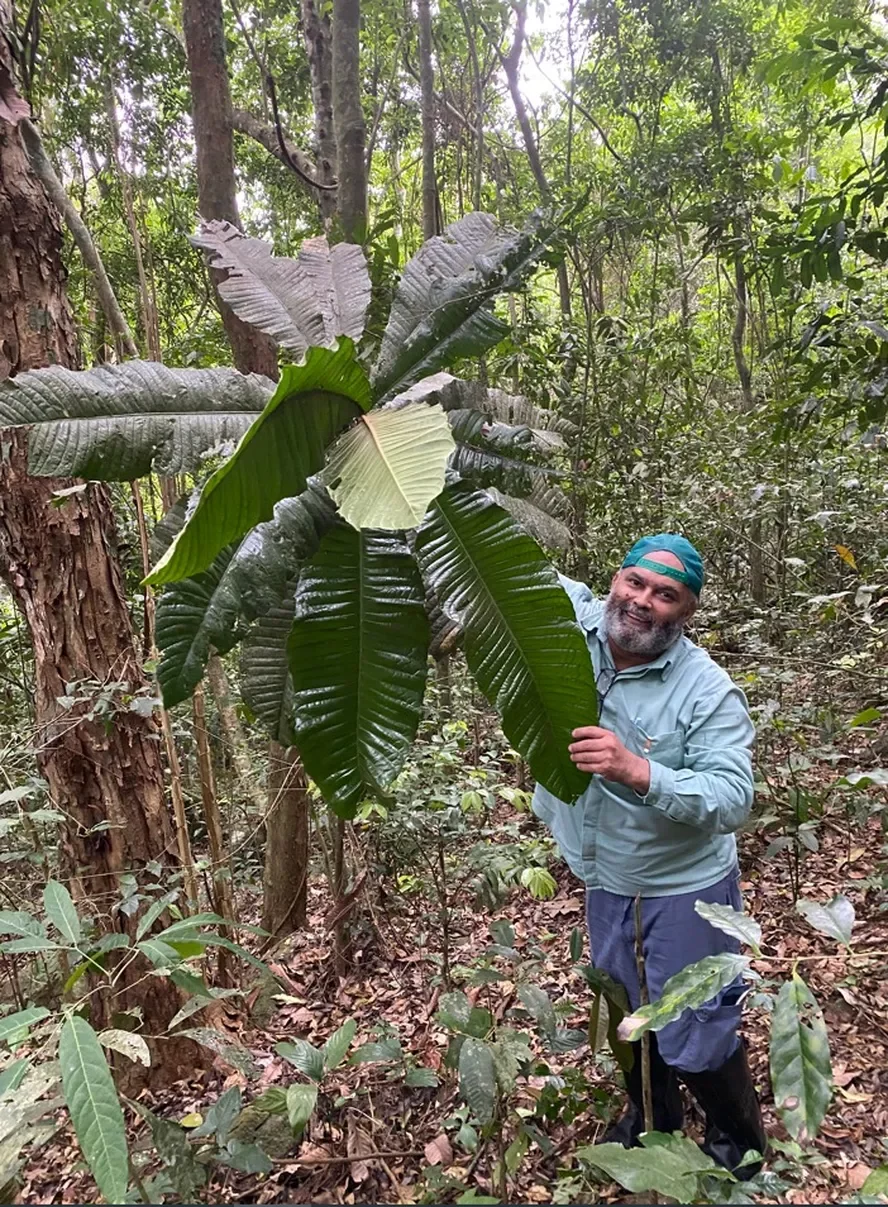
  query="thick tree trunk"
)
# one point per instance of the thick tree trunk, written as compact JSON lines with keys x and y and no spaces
{"x":318,"y":35}
{"x":349,"y":119}
{"x":106,"y":778}
{"x":216,"y":186}
{"x":287,"y":830}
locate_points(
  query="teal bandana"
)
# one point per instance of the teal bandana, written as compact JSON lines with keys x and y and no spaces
{"x":692,"y":575}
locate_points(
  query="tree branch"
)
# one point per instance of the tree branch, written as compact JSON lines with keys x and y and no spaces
{"x":44,"y":170}
{"x":281,"y":148}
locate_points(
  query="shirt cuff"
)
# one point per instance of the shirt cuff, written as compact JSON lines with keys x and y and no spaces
{"x":662,"y":785}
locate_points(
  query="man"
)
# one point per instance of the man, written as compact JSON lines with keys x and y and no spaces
{"x":671,"y":771}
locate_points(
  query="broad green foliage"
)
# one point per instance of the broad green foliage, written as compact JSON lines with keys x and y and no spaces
{"x":521,"y":639}
{"x":94,"y":1106}
{"x":243,"y":582}
{"x":688,"y":989}
{"x":117,"y":422}
{"x":266,"y":686}
{"x":477,"y":1078}
{"x":386,"y":469}
{"x":801,"y":1072}
{"x":281,"y":451}
{"x":357,"y":656}
{"x":442,"y":310}
{"x":834,"y":919}
{"x":732,"y":922}
{"x":307,"y":302}
{"x":671,"y":1165}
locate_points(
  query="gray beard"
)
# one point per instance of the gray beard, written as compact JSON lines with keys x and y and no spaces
{"x":653,"y":640}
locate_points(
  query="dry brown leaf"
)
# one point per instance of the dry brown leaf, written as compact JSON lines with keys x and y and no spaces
{"x":857,"y":1174}
{"x":359,"y":1142}
{"x":438,"y":1151}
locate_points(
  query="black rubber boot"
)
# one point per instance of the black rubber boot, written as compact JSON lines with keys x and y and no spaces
{"x":665,"y":1100}
{"x":733,"y":1115}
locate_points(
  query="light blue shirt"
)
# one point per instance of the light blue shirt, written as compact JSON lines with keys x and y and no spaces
{"x":684,"y":715}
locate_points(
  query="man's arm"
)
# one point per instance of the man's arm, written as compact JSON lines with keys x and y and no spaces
{"x":714,"y":790}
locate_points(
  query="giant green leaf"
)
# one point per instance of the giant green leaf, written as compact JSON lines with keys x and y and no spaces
{"x":117,"y":422}
{"x":386,"y":469}
{"x":94,"y":1107}
{"x":301,"y":303}
{"x":244,"y":581}
{"x":801,"y":1072}
{"x":358,"y":660}
{"x":442,"y":309}
{"x":266,"y":686}
{"x":686,"y":990}
{"x":522,"y":642}
{"x":274,"y":460}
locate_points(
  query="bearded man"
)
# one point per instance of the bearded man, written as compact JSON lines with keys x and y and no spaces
{"x":671,"y":767}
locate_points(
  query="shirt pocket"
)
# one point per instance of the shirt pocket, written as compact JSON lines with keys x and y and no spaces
{"x":664,"y":748}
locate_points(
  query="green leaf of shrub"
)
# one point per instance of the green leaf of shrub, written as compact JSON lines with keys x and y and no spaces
{"x":305,"y":1056}
{"x":733,"y":922}
{"x":338,"y":1044}
{"x":688,"y":989}
{"x":801,"y":1072}
{"x":477,"y":1078}
{"x":834,"y":919}
{"x":61,"y":911}
{"x":301,"y":1102}
{"x":94,"y":1107}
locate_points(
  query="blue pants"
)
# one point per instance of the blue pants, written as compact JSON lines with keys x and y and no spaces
{"x":673,"y":937}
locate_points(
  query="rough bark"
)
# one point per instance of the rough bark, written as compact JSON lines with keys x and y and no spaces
{"x":287,"y":830}
{"x":348,"y":116}
{"x":58,"y":565}
{"x":233,"y":735}
{"x":427,"y":86}
{"x":318,"y":35}
{"x":216,"y":186}
{"x":44,"y":170}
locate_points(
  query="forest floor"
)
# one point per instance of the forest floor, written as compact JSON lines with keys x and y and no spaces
{"x":365,"y":1109}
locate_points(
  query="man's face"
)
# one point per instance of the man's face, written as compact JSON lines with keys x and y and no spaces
{"x":646,"y":612}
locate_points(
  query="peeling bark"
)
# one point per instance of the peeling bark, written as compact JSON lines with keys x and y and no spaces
{"x":318,"y":35}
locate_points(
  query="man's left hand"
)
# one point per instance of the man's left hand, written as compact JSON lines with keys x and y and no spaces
{"x":600,"y":752}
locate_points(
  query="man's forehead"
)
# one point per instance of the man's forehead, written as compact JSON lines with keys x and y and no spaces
{"x":666,"y":557}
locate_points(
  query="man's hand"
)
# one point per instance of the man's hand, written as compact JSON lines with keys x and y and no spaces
{"x":600,"y":752}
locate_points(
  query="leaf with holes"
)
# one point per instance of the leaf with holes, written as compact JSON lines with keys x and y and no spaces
{"x":801,"y":1072}
{"x":386,"y":469}
{"x":127,"y":1043}
{"x":94,"y":1107}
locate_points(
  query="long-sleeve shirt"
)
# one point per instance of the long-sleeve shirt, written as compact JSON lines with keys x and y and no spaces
{"x":685,"y":716}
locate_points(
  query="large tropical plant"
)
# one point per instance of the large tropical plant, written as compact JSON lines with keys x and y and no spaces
{"x":352,"y":500}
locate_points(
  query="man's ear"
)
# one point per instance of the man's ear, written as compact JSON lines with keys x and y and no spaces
{"x":616,"y":576}
{"x":692,"y":606}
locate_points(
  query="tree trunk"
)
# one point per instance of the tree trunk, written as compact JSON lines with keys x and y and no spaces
{"x":318,"y":35}
{"x":349,"y":119}
{"x":107,"y":779}
{"x":287,"y":830}
{"x":511,"y":63}
{"x":427,"y":84}
{"x":216,"y":186}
